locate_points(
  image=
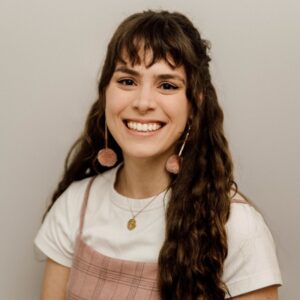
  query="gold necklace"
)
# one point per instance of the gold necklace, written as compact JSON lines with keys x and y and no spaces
{"x":131,"y":224}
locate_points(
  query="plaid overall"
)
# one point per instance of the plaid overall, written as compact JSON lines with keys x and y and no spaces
{"x":95,"y":276}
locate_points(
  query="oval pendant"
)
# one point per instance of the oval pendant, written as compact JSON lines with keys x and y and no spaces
{"x":131,"y":224}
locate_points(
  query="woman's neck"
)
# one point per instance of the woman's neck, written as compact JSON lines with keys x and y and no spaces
{"x":139,"y":178}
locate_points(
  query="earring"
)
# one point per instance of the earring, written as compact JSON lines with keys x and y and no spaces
{"x":107,"y":157}
{"x":174,"y":161}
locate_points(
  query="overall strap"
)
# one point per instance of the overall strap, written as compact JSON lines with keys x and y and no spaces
{"x":84,"y":204}
{"x":238,"y":198}
{"x":239,"y":201}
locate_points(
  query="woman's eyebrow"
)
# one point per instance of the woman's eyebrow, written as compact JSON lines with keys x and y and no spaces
{"x":124,"y":69}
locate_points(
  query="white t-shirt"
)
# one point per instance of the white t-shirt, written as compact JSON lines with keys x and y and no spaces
{"x":251,"y":262}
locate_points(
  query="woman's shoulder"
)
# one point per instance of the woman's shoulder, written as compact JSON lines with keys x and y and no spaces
{"x":244,"y":221}
{"x":251,"y":262}
{"x":56,"y":237}
{"x":69,"y":203}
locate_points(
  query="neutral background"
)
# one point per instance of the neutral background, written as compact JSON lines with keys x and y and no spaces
{"x":51,"y":53}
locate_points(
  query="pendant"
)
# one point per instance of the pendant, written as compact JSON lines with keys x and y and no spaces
{"x":131,"y":224}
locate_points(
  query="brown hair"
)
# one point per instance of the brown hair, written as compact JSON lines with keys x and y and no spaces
{"x":195,"y":247}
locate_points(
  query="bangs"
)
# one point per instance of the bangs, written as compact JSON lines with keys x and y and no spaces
{"x":162,"y":39}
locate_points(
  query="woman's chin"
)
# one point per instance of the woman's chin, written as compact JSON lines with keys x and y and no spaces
{"x":143,"y":155}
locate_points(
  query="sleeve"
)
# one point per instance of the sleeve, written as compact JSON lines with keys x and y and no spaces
{"x":251,"y":263}
{"x":56,"y":237}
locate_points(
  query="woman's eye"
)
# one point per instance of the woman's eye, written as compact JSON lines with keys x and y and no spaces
{"x":126,"y":82}
{"x":168,"y":86}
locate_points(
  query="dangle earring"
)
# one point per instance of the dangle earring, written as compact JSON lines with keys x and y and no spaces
{"x":174,"y":161}
{"x":106,"y":157}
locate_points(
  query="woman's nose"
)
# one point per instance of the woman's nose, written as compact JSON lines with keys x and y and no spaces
{"x":145,"y":99}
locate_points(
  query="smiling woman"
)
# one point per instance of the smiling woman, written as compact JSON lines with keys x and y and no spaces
{"x":148,"y":207}
{"x":147,"y":109}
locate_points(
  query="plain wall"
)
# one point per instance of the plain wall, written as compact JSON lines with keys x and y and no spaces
{"x":51,"y":53}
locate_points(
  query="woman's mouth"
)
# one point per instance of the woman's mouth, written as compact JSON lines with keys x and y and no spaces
{"x":143,"y":127}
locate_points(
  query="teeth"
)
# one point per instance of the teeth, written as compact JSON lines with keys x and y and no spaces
{"x":143,"y":127}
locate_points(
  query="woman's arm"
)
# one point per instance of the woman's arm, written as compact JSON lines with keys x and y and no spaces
{"x":268,"y":293}
{"x":55,"y":281}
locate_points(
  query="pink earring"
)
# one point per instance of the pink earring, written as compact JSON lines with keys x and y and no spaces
{"x":174,"y":161}
{"x":106,"y":157}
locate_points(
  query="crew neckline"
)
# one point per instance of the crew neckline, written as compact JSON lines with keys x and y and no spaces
{"x":134,"y":204}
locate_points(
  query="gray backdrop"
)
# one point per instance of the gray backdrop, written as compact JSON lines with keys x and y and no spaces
{"x":51,"y":53}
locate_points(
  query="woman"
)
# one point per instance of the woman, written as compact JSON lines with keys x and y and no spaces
{"x":147,"y":207}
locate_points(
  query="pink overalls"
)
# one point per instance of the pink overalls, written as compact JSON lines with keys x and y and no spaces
{"x":95,"y":276}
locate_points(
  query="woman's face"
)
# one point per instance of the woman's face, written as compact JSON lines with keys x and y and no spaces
{"x":147,"y":108}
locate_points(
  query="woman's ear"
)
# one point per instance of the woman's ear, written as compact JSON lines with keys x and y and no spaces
{"x":190,"y":113}
{"x":201,"y":97}
{"x":199,"y":102}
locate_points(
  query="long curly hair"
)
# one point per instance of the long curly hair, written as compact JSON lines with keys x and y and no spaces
{"x":195,"y":247}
